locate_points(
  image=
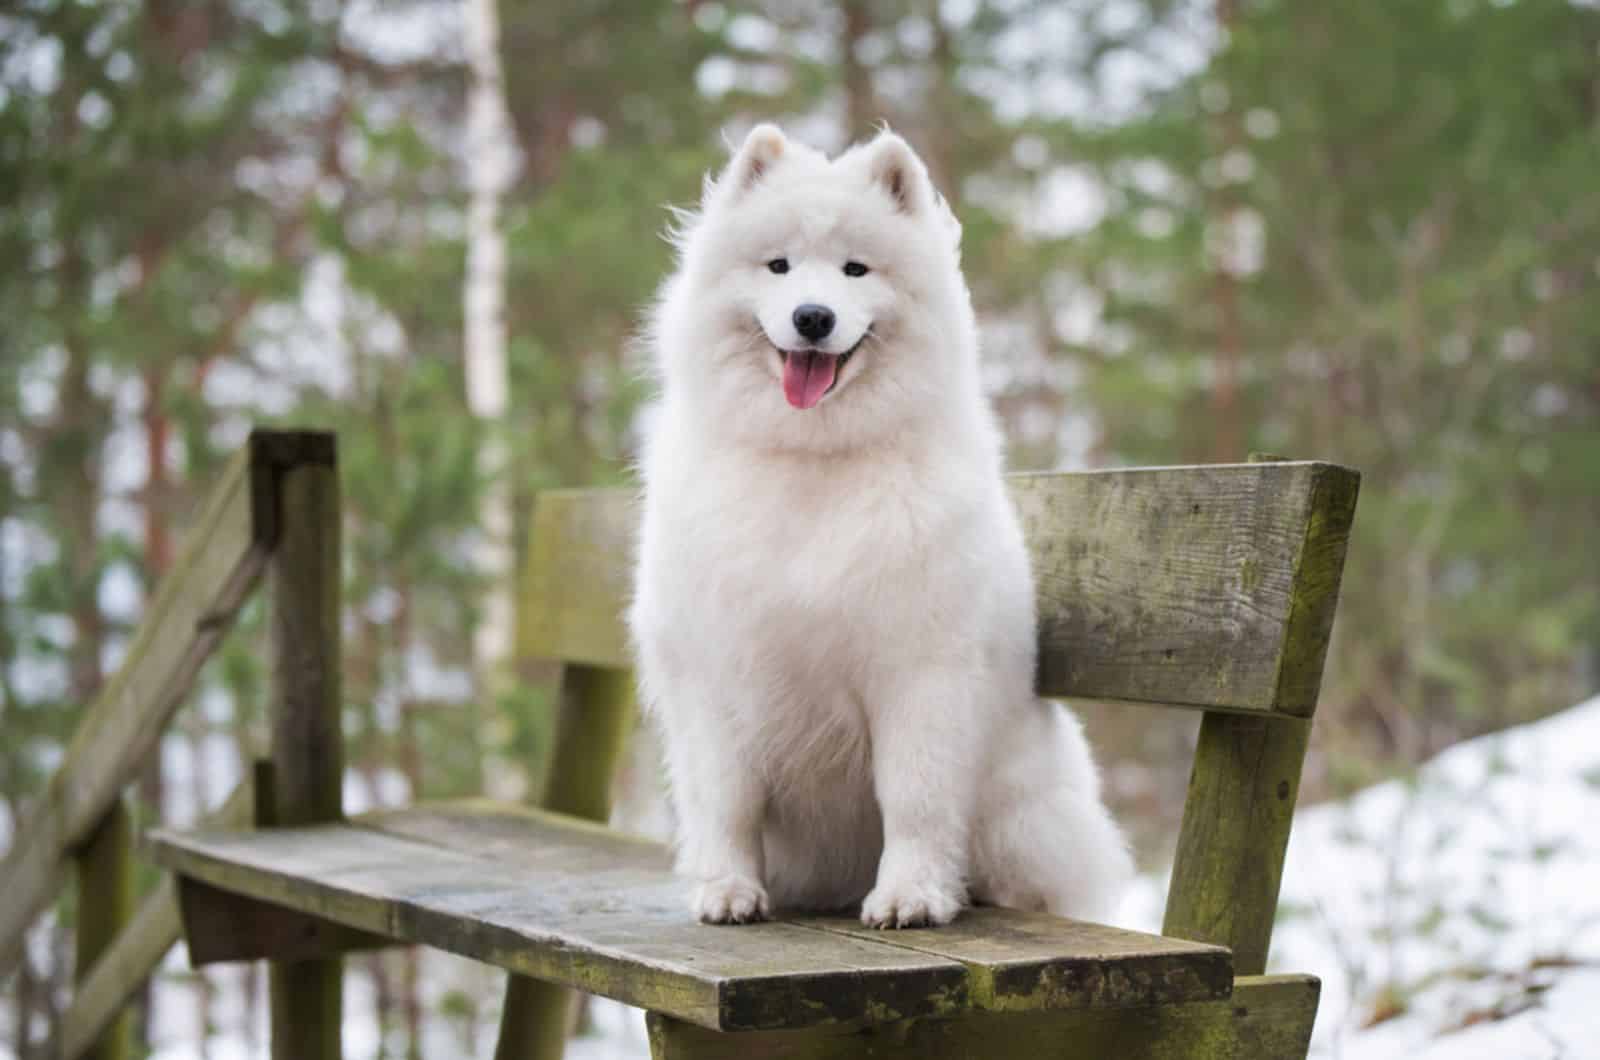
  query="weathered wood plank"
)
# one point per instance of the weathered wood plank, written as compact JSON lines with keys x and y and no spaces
{"x":221,"y":926}
{"x":531,"y":839}
{"x":1236,"y":820}
{"x":222,"y":559}
{"x":1015,"y":960}
{"x":307,"y":739}
{"x":1181,"y":586}
{"x":594,"y":714}
{"x":578,"y":577}
{"x":570,"y":906}
{"x":1317,"y":577}
{"x":1209,"y":587}
{"x":1246,"y":772}
{"x":504,"y":883}
{"x":153,"y":930}
{"x":105,"y":904}
{"x":1267,"y":1018}
{"x":1020,"y":961}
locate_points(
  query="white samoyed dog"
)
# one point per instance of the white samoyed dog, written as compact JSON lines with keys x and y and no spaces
{"x":834,"y":613}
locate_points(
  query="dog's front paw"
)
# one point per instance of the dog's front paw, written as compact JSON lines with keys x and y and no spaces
{"x":729,"y":900}
{"x":910,"y":903}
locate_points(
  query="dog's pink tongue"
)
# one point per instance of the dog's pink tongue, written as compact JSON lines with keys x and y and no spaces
{"x":806,"y":377}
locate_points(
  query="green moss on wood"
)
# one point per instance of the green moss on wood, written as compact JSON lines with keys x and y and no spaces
{"x":307,"y":738}
{"x":1235,"y":831}
{"x":105,"y":905}
{"x":558,"y":899}
{"x":1267,"y":1018}
{"x":1143,"y":595}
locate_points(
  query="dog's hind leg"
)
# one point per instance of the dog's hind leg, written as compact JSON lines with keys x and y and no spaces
{"x":1044,"y":840}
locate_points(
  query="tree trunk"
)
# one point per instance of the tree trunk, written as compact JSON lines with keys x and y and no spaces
{"x":157,"y":558}
{"x":490,"y":168}
{"x":488,"y":383}
{"x":860,"y":104}
{"x":1227,"y":428}
{"x":945,"y":127}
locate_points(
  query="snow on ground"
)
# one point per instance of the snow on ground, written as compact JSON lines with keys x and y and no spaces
{"x":1461,"y":906}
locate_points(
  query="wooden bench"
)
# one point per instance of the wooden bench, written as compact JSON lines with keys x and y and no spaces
{"x":1211,"y":588}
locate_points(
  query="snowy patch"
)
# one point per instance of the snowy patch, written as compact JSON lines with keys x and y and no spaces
{"x":1456,"y":915}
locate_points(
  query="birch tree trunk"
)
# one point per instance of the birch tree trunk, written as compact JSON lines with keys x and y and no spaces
{"x":491,"y":162}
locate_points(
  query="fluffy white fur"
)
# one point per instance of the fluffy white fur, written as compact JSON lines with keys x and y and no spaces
{"x":833,"y":613}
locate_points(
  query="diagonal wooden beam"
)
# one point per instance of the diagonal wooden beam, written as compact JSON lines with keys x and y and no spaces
{"x":138,"y":948}
{"x":223,"y":559}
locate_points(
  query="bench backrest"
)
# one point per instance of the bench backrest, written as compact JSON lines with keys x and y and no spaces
{"x":1209,"y":587}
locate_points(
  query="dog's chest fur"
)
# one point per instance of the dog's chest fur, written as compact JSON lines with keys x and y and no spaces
{"x":805,"y":568}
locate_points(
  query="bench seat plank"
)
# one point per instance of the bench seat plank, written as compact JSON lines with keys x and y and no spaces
{"x":570,"y":902}
{"x":1015,"y":960}
{"x":1021,"y":961}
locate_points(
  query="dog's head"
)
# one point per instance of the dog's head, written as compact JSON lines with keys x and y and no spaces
{"x":818,"y":302}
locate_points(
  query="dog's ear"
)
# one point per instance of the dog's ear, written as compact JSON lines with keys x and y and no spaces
{"x":761,"y":150}
{"x":897,"y":169}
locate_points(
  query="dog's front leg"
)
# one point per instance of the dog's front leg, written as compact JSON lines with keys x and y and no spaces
{"x":721,"y":803}
{"x":924,"y":764}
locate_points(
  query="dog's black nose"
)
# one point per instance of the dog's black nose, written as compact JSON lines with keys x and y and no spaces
{"x":814,"y":322}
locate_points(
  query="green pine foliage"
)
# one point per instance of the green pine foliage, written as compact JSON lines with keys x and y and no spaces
{"x":1414,"y":183}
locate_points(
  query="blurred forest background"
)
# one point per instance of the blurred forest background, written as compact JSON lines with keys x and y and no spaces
{"x":1363,"y":231}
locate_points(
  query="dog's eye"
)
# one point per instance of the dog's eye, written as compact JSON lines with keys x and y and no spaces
{"x":778,"y":265}
{"x":855,"y":268}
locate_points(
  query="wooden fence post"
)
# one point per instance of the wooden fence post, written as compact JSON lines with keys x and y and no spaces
{"x":307,"y":743}
{"x":105,"y":903}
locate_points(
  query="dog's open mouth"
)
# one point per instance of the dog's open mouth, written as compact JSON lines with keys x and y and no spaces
{"x":809,"y":375}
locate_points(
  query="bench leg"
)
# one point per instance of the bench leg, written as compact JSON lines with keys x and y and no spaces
{"x":1268,"y":1017}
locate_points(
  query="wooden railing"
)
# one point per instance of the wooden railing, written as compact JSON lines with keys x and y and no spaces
{"x":274,"y":510}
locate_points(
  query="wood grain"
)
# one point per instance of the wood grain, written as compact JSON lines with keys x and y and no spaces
{"x":105,"y":905}
{"x":1236,"y":820}
{"x":1210,"y":587}
{"x":1246,"y":773}
{"x":581,"y":910}
{"x":1021,"y":961}
{"x":306,"y":995}
{"x":1015,"y":960}
{"x":221,"y":926}
{"x":1267,"y":1018}
{"x":1184,"y":586}
{"x":570,"y":902}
